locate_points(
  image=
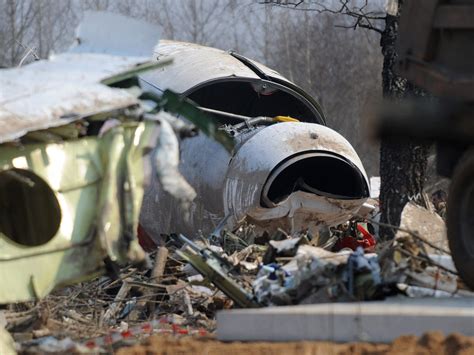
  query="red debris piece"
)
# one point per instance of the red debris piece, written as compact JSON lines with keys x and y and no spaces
{"x":145,"y":240}
{"x":366,"y":241}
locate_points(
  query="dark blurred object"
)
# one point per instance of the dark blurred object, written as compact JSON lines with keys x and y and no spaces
{"x":439,"y":199}
{"x":436,"y":52}
{"x":435,"y":46}
{"x":144,"y":239}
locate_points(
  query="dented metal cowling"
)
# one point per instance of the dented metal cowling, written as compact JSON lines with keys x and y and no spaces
{"x":292,"y":175}
{"x":268,"y":169}
{"x":277,"y":162}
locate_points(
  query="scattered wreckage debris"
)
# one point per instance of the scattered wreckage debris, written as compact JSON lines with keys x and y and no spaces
{"x":107,"y":312}
{"x":425,"y":222}
{"x":243,"y":267}
{"x":286,"y":269}
{"x":286,"y":235}
{"x":79,"y":145}
{"x":90,"y":142}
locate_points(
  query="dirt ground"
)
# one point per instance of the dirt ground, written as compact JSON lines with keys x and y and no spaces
{"x":433,"y":343}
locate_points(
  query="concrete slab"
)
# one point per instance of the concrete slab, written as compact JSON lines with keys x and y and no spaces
{"x":365,"y":321}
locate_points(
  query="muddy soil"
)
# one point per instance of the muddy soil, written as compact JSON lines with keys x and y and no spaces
{"x":433,"y":343}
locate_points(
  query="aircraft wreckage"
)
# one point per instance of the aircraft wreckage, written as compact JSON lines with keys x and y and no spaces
{"x":287,"y":169}
{"x":85,"y":131}
{"x":76,"y":143}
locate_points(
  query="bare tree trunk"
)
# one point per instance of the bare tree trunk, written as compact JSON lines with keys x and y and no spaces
{"x":402,"y":163}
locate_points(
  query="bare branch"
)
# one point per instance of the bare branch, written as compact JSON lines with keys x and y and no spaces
{"x":362,"y":15}
{"x":29,"y":51}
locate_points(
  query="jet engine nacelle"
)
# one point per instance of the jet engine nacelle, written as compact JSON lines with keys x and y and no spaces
{"x":293,"y":175}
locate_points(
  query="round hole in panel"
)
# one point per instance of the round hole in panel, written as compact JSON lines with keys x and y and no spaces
{"x":30,"y":214}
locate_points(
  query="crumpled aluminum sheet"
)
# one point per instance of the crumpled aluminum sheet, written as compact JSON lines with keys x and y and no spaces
{"x":66,"y":87}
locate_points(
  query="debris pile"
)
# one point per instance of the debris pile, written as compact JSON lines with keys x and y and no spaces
{"x":244,"y":267}
{"x":261,"y":269}
{"x":110,"y":311}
